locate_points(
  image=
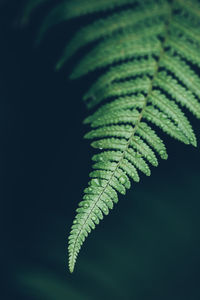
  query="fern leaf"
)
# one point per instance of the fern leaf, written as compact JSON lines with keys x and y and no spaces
{"x":148,"y":54}
{"x":128,"y":142}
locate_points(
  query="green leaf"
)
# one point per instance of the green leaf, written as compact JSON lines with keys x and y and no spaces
{"x":148,"y":58}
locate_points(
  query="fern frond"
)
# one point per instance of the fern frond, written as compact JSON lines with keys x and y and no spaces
{"x":121,"y":127}
{"x":148,"y":52}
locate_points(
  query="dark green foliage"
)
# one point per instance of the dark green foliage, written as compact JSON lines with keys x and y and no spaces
{"x":149,"y":54}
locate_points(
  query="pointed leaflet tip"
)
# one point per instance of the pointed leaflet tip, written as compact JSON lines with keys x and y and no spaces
{"x":71,"y":265}
{"x":194,"y":142}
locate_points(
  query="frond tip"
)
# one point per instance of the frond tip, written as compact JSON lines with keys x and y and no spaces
{"x":148,"y":52}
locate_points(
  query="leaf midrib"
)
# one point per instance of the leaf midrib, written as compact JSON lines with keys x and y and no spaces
{"x":157,"y":66}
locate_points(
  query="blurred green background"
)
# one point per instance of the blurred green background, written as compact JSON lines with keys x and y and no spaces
{"x":147,"y":248}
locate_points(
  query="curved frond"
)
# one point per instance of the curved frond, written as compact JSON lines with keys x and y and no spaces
{"x":150,"y":81}
{"x":148,"y":54}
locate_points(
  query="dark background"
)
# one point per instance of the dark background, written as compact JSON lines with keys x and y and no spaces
{"x":147,"y":248}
